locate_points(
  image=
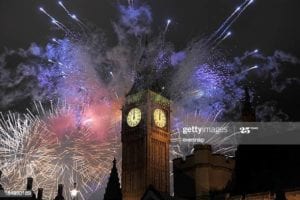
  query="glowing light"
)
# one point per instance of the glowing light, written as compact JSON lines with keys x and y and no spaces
{"x":249,"y":69}
{"x":74,"y":193}
{"x":167,"y":25}
{"x":228,"y":22}
{"x":87,"y":121}
{"x":73,"y":16}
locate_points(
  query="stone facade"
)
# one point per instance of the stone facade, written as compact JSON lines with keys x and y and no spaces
{"x":202,"y":172}
{"x":145,"y":148}
{"x":285,"y":195}
{"x":292,"y":194}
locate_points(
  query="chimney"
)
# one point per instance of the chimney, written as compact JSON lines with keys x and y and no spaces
{"x":60,"y":190}
{"x":40,"y":194}
{"x":29,"y":183}
{"x":59,"y":195}
{"x":1,"y":188}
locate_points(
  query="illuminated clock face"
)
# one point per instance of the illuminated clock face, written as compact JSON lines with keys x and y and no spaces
{"x":134,"y":117}
{"x":160,"y":118}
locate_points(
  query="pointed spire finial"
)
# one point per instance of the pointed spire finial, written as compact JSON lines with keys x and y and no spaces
{"x":1,"y":188}
{"x":113,"y":188}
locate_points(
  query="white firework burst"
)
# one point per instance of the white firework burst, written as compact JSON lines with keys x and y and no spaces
{"x":29,"y":148}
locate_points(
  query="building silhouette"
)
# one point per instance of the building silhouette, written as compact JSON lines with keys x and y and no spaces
{"x":1,"y":187}
{"x":113,"y":189}
{"x":202,"y":174}
{"x":59,"y":195}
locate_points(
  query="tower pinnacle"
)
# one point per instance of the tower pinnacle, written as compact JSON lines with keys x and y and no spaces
{"x":113,"y":189}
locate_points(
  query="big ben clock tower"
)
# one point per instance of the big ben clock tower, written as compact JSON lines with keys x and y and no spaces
{"x":145,"y":143}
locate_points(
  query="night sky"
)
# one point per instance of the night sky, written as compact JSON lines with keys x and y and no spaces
{"x":267,"y":25}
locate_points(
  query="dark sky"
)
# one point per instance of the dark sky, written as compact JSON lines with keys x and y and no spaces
{"x":268,"y":25}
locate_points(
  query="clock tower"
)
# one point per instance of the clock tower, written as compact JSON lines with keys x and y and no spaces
{"x":145,"y":143}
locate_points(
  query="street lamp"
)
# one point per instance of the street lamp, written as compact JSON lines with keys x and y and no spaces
{"x":74,"y":192}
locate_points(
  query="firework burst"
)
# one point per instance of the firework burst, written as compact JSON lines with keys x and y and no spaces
{"x":29,"y":148}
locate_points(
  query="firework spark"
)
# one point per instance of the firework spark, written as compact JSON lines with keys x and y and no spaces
{"x":226,"y":25}
{"x":73,"y":16}
{"x":30,"y":148}
{"x":167,"y":25}
{"x":54,"y":21}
